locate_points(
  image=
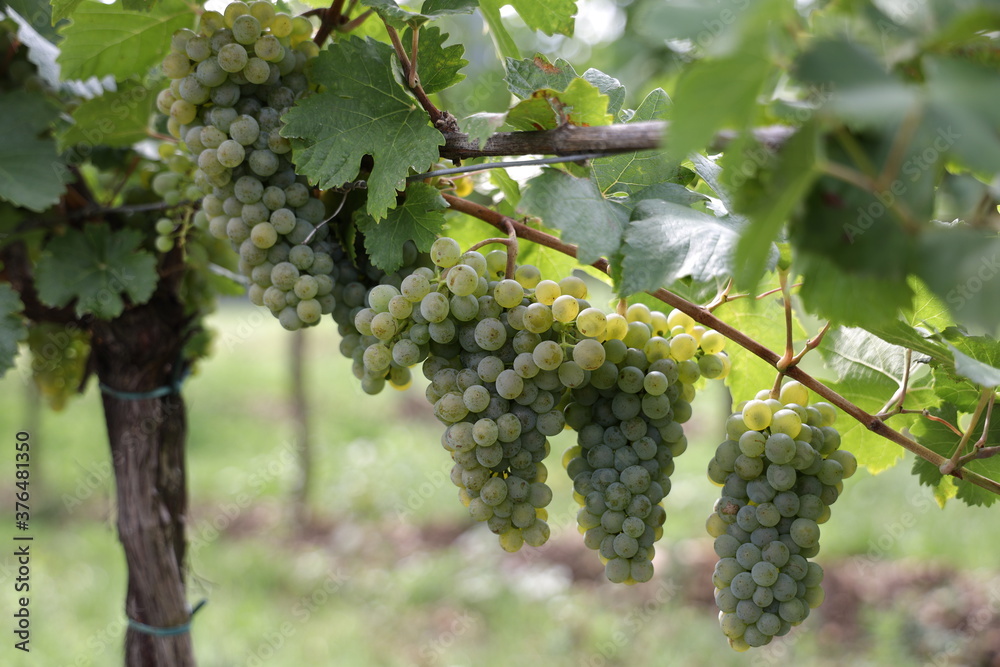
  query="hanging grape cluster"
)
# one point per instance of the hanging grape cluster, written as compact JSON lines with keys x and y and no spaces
{"x":629,"y":399}
{"x":230,"y":84}
{"x":780,"y":470}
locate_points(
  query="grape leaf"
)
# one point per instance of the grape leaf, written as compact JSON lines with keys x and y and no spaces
{"x":958,"y":391}
{"x":363,"y":111}
{"x":630,"y":172}
{"x":962,"y":266}
{"x":526,"y":76}
{"x":32,"y":173}
{"x":63,"y":9}
{"x":666,"y":241}
{"x":551,"y":16}
{"x":860,"y":91}
{"x":939,"y":438}
{"x":702,"y":106}
{"x":398,"y":18}
{"x":850,"y":298}
{"x":437,"y":65}
{"x":869,"y":372}
{"x":982,"y":373}
{"x":139,"y":5}
{"x":481,"y":126}
{"x":580,"y":104}
{"x":12,"y":327}
{"x":504,"y":43}
{"x":96,"y":267}
{"x":575,"y":206}
{"x":108,"y":39}
{"x":787,"y":184}
{"x":113,"y":119}
{"x":530,"y":74}
{"x":419,"y":219}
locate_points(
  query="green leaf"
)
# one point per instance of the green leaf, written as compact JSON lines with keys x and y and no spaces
{"x":963,"y":97}
{"x":504,"y":43}
{"x":665,"y":242}
{"x":849,"y":298}
{"x":63,"y":9}
{"x":481,"y":126}
{"x":958,"y":391}
{"x":12,"y":329}
{"x":96,"y":267}
{"x":869,"y":372}
{"x":108,"y":39}
{"x":983,"y":373}
{"x":575,"y":206}
{"x":581,"y":104}
{"x":940,"y":439}
{"x":508,"y":186}
{"x":437,"y":65}
{"x":702,"y":106}
{"x":419,"y":219}
{"x":859,"y":89}
{"x":120,"y":118}
{"x":526,"y":76}
{"x":139,"y":5}
{"x":962,"y":266}
{"x":786,"y":186}
{"x":399,"y":18}
{"x":363,"y":111}
{"x":551,"y":16}
{"x":445,"y":7}
{"x":32,"y":173}
{"x":630,"y":172}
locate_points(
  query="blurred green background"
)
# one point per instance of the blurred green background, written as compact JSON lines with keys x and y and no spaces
{"x":391,"y":572}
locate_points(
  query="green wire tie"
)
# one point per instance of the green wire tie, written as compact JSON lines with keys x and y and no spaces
{"x":166,"y":632}
{"x":173,"y":388}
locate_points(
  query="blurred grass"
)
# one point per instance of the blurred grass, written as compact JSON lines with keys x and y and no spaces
{"x":392,"y":573}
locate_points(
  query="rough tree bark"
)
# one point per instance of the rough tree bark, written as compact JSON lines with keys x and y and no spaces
{"x":138,"y":352}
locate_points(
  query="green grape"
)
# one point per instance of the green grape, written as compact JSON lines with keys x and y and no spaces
{"x":445,"y":252}
{"x":590,"y":322}
{"x":508,"y":293}
{"x":565,"y":308}
{"x":232,"y":58}
{"x":528,"y":276}
{"x":589,"y":354}
{"x":462,"y":280}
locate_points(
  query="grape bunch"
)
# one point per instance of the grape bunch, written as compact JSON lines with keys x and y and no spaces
{"x":630,"y":395}
{"x":230,"y":84}
{"x":780,"y":470}
{"x":173,"y":184}
{"x":491,"y":354}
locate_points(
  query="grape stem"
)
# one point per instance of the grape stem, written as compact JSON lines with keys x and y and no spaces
{"x":414,"y":43}
{"x":622,"y":306}
{"x":355,"y":22}
{"x":900,"y":396}
{"x":442,"y":120}
{"x":786,"y":359}
{"x":330,"y":18}
{"x":705,"y":317}
{"x":511,"y":244}
{"x":724,"y":296}
{"x":985,"y":404}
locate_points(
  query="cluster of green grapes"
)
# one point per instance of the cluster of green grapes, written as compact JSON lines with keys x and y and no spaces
{"x":231,"y":83}
{"x":494,"y":357}
{"x":780,"y":470}
{"x":632,"y":393}
{"x":173,"y":183}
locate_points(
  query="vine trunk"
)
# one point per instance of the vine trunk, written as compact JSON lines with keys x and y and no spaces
{"x":137,"y":352}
